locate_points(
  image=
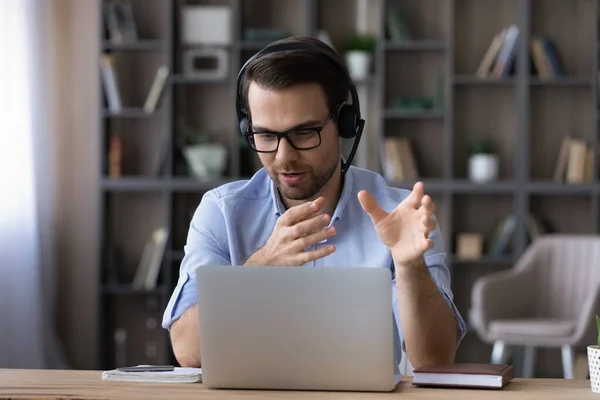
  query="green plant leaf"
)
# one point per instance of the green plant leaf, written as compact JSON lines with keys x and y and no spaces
{"x":598,"y":326}
{"x":482,"y":146}
{"x":361,"y":42}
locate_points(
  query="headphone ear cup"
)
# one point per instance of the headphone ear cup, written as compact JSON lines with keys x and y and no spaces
{"x":347,"y":122}
{"x":243,"y":125}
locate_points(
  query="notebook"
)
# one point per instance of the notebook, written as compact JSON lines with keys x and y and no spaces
{"x":464,"y":375}
{"x":178,"y":375}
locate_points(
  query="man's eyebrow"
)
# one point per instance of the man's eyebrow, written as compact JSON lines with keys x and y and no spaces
{"x":305,"y":124}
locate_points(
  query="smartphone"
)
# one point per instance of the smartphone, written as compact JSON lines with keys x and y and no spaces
{"x":147,"y":368}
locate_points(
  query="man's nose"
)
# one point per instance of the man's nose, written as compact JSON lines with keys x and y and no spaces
{"x":286,"y":152}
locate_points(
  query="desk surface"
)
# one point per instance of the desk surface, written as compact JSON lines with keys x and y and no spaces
{"x":53,"y":384}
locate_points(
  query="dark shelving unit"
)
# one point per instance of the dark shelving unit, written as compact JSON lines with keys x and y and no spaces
{"x":527,"y":118}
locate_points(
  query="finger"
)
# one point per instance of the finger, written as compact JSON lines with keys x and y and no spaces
{"x":314,"y":238}
{"x":428,"y":204}
{"x":301,"y":212}
{"x":429,"y":223}
{"x":321,"y":252}
{"x":427,"y":244}
{"x":310,"y":225}
{"x":370,"y":206}
{"x":416,"y":196}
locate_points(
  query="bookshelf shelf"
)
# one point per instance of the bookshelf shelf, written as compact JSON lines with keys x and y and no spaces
{"x":410,"y":114}
{"x":550,"y":187}
{"x":184,"y":80}
{"x":134,"y":184}
{"x":416,"y":45}
{"x":470,"y":80}
{"x":141,"y":45}
{"x":582,"y":82}
{"x":500,"y":261}
{"x":448,"y":107}
{"x":132,"y":113}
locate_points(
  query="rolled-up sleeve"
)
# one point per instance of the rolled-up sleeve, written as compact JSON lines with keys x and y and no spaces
{"x":206,"y":244}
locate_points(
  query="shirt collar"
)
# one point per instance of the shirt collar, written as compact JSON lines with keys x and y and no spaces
{"x":279,"y":208}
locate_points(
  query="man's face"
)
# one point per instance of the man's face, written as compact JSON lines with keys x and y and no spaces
{"x":299,"y":174}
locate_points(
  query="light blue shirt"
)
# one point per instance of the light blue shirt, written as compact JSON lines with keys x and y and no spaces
{"x":234,"y":220}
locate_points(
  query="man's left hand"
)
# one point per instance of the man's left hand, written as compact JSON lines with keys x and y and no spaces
{"x":405,"y":230}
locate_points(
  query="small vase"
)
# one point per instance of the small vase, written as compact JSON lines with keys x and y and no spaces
{"x":593,"y":353}
{"x":206,"y":161}
{"x":359,"y":64}
{"x":483,"y":168}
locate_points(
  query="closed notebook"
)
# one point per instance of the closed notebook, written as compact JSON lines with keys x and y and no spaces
{"x":178,"y":375}
{"x":464,"y":375}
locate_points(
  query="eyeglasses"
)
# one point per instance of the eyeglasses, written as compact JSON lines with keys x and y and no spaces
{"x":299,"y":139}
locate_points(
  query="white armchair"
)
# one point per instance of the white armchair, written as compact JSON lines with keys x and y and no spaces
{"x":548,"y":299}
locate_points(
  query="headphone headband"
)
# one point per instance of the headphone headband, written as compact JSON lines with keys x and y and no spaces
{"x":304,"y":46}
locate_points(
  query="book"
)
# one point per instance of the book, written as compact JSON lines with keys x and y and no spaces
{"x":464,"y":375}
{"x":177,"y":375}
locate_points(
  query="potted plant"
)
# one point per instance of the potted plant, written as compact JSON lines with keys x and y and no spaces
{"x":483,"y":161}
{"x":205,"y":156}
{"x":593,"y":353}
{"x":359,"y":53}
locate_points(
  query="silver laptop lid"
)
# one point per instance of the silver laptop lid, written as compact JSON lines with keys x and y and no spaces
{"x":296,"y":328}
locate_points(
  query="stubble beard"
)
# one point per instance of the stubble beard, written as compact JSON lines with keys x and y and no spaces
{"x":309,"y":187}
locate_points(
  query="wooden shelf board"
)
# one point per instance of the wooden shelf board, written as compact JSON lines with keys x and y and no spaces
{"x":391,"y":113}
{"x":131,"y":113}
{"x":185,"y":80}
{"x":141,"y":45}
{"x":135,"y":184}
{"x":158,"y":184}
{"x":191,"y":184}
{"x":416,"y":45}
{"x":460,"y":186}
{"x":472,"y":80}
{"x":485,"y":259}
{"x":551,"y":187}
{"x":569,"y":81}
{"x":466,"y":186}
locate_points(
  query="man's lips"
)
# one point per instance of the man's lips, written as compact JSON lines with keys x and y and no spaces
{"x":292,"y":178}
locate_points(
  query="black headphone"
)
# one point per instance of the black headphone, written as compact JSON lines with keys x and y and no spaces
{"x":350,"y":123}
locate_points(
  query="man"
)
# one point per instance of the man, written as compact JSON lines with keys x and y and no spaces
{"x":304,"y":209}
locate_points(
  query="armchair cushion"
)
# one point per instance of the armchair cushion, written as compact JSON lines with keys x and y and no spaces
{"x":532,"y":327}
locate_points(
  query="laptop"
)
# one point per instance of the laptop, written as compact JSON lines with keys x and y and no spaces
{"x":296,"y":328}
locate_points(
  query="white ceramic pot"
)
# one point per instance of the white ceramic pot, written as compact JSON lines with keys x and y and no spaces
{"x":593,"y":353}
{"x":483,"y":168}
{"x":359,"y":64}
{"x":207,"y":161}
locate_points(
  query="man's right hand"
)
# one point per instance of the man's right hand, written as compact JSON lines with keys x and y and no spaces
{"x":299,"y":228}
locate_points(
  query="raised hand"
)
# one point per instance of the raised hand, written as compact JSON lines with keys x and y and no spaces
{"x":296,"y":230}
{"x":405,"y":230}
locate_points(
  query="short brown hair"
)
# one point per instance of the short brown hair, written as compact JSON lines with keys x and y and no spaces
{"x":291,"y":67}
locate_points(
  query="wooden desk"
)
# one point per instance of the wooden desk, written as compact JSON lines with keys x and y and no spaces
{"x":53,"y":384}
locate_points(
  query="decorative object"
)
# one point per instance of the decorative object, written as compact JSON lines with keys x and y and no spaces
{"x":593,"y":353}
{"x":206,"y":25}
{"x":206,"y":63}
{"x":205,"y":157}
{"x":359,"y":53}
{"x":483,"y":162}
{"x":469,"y":245}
